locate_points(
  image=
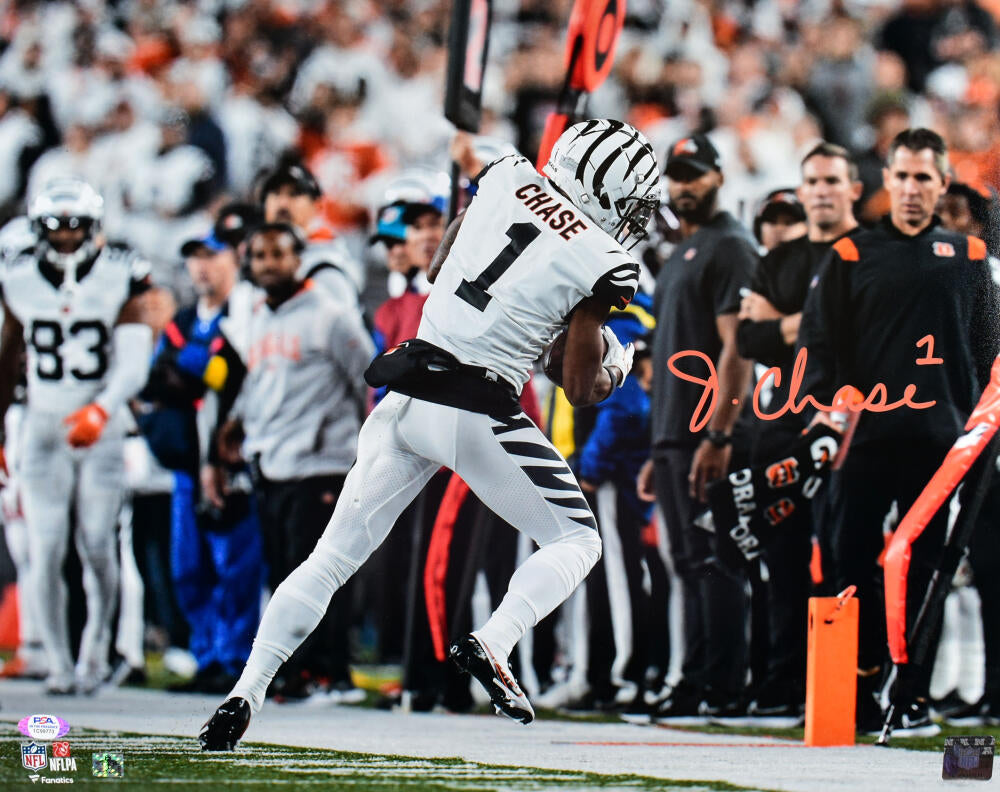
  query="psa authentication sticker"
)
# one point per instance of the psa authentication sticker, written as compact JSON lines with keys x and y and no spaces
{"x":968,"y":757}
{"x":43,"y":727}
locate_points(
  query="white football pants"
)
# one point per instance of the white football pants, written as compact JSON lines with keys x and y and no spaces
{"x":508,"y":463}
{"x":56,"y":478}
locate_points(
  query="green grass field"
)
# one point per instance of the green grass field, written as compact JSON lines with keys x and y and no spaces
{"x":178,"y":765}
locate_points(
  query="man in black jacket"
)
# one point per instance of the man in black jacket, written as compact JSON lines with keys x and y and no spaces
{"x":696,"y":302}
{"x":906,"y":312}
{"x":769,"y":327}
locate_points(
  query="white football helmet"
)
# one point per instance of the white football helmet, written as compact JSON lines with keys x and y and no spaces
{"x":67,"y":203}
{"x":420,"y":185}
{"x":608,"y":169}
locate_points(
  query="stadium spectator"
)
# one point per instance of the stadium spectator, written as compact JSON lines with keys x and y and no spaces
{"x":779,"y":219}
{"x":216,"y":563}
{"x":290,"y":194}
{"x":301,"y":395}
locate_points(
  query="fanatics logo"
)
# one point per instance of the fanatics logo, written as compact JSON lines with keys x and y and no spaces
{"x":944,"y":249}
{"x":690,"y":254}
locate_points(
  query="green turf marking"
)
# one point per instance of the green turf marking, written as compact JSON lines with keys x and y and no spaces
{"x":177,"y":764}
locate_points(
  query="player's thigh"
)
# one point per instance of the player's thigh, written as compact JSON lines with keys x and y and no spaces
{"x":514,"y":469}
{"x":100,"y":487}
{"x":46,"y":475}
{"x":386,"y":477}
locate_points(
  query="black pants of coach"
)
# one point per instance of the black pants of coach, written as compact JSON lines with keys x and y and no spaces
{"x":715,"y":602}
{"x":293,"y":516}
{"x":861,"y":495}
{"x":788,"y":584}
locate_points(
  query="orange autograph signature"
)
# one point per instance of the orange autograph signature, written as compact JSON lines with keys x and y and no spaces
{"x":876,"y":401}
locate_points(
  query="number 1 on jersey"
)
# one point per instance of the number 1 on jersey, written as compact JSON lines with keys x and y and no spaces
{"x":521,"y":235}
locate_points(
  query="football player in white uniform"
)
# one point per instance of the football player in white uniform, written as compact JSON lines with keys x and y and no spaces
{"x":528,"y":256}
{"x":74,"y":303}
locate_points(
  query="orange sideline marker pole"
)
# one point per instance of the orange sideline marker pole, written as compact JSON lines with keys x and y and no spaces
{"x":832,"y":669}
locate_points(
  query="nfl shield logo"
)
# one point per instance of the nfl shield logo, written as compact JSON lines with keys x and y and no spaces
{"x":33,"y":756}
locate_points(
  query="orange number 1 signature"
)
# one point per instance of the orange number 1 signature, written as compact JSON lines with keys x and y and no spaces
{"x":876,"y":401}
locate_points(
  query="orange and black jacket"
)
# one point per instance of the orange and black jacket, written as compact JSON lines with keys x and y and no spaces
{"x":868,"y":317}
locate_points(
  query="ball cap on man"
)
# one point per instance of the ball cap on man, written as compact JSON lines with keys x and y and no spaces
{"x":779,"y":203}
{"x":390,"y":225}
{"x":691,"y":157}
{"x":294,"y":174}
{"x":209,"y":242}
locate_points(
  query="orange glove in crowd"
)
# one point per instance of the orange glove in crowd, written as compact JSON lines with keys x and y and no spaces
{"x":85,"y":425}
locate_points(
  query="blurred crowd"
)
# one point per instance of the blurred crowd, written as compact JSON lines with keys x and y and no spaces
{"x":167,"y":107}
{"x":187,"y":117}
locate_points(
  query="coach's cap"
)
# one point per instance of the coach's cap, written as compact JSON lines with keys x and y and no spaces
{"x":779,"y":203}
{"x":390,"y":226}
{"x":690,"y":157}
{"x":208,"y":242}
{"x":293,"y":173}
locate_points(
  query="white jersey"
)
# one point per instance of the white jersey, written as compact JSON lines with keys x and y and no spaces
{"x":68,"y":326}
{"x":523,"y":260}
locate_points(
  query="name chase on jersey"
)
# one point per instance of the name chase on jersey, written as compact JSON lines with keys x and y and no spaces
{"x":522,"y":261}
{"x":546,"y":207}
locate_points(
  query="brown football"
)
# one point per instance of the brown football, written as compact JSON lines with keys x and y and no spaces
{"x":552,"y":359}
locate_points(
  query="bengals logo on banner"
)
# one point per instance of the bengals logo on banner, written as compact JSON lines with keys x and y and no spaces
{"x":782,"y":473}
{"x":780,"y":511}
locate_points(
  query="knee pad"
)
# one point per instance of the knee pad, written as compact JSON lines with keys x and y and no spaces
{"x":589,"y":542}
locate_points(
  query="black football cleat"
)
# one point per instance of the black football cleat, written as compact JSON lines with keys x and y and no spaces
{"x":224,"y":729}
{"x":472,"y":656}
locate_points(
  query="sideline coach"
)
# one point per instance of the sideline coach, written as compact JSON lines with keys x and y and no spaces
{"x":866,"y":321}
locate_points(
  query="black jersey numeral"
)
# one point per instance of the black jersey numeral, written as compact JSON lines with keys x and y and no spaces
{"x":521,"y":235}
{"x":99,"y":349}
{"x":47,"y":338}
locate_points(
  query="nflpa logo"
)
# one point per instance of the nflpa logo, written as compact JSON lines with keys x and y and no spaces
{"x":944,"y":249}
{"x":782,"y":473}
{"x":60,"y":749}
